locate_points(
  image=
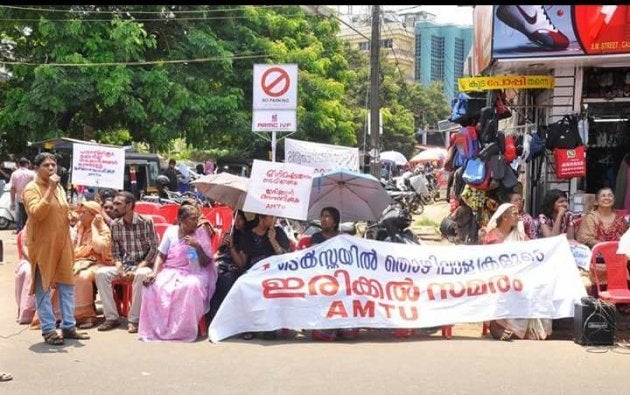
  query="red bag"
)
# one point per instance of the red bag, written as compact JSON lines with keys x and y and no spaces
{"x":570,"y":162}
{"x":510,"y":149}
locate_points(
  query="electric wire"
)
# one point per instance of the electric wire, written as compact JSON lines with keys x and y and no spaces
{"x":139,"y":63}
{"x":165,"y":11}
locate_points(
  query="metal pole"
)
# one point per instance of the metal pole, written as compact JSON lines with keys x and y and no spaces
{"x":374,"y":88}
{"x":273,"y":146}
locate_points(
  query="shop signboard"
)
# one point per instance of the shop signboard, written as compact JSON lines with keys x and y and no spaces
{"x":527,"y":31}
{"x":468,"y":84}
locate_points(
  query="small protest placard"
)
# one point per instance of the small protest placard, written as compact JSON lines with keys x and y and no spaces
{"x":279,"y":189}
{"x":98,"y":166}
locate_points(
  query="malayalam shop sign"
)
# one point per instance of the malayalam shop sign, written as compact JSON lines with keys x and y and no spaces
{"x":505,"y":82}
{"x":275,"y":98}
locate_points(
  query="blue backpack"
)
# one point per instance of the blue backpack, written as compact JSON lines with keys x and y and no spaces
{"x":466,"y":145}
{"x":466,"y":109}
{"x":459,"y":106}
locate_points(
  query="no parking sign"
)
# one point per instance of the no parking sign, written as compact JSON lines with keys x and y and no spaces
{"x":275,"y":87}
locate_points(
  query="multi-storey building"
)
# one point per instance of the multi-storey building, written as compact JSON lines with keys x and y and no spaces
{"x":440,"y":50}
{"x":397,"y":39}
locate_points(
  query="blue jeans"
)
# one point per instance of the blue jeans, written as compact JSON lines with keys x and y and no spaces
{"x":45,"y":309}
{"x":20,"y":216}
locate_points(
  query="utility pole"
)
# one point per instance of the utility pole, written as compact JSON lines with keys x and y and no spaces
{"x":375,"y":47}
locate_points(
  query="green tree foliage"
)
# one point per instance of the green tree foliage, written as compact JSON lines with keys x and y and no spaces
{"x":206,"y":100}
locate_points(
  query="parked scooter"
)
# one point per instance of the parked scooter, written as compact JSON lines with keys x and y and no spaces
{"x":393,"y":226}
{"x":7,"y":216}
{"x":408,"y":191}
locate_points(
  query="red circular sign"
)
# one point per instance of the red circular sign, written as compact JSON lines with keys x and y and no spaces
{"x":275,"y":85}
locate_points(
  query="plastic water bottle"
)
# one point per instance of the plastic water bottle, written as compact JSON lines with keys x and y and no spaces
{"x":193,"y":258}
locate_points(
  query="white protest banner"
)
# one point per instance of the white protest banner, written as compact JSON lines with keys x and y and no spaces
{"x":98,"y":166}
{"x":348,"y":282}
{"x":279,"y":189}
{"x":322,"y":157}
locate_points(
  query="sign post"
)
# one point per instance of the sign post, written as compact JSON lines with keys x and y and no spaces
{"x":275,"y":100}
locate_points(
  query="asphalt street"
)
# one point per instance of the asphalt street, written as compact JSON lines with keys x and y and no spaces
{"x":117,"y":362}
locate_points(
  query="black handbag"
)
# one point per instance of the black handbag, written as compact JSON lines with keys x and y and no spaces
{"x":489,"y":150}
{"x":497,"y":165}
{"x":488,"y":125}
{"x":563,"y":134}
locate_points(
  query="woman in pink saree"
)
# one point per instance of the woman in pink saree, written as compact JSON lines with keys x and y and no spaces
{"x":179,"y":290}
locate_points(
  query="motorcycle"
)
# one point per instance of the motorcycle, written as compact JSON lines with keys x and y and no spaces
{"x":393,"y":226}
{"x":407,"y":190}
{"x":7,"y":216}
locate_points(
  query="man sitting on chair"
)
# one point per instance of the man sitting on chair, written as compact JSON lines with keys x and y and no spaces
{"x":134,"y":247}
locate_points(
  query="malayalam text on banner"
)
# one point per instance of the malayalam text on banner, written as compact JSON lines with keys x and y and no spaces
{"x":98,"y":166}
{"x":349,"y":282}
{"x":279,"y":189}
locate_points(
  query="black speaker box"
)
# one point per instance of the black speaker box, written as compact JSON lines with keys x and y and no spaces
{"x":594,"y":323}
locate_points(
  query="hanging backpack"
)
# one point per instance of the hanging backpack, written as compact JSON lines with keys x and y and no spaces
{"x":466,"y":145}
{"x":466,"y":108}
{"x":536,"y":146}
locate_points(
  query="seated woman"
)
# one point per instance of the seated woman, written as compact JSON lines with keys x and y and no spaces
{"x":108,"y":211}
{"x":530,"y":225}
{"x":262,"y":241}
{"x":601,"y":223}
{"x":555,"y":219}
{"x":505,"y":226}
{"x":329,"y":220}
{"x":182,"y":282}
{"x":25,"y":302}
{"x":92,"y":250}
{"x":230,"y":260}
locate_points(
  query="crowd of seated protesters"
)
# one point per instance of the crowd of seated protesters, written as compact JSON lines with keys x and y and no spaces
{"x":104,"y":243}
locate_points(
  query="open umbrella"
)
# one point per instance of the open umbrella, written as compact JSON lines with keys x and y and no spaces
{"x":394,"y":156}
{"x":357,"y":196}
{"x":225,"y":188}
{"x":429,"y":155}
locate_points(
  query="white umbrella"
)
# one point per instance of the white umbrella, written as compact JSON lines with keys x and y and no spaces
{"x":394,"y":156}
{"x":357,"y":196}
{"x":428,"y":155}
{"x":225,"y":188}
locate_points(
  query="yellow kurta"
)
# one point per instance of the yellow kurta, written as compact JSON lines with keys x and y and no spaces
{"x":48,"y":230}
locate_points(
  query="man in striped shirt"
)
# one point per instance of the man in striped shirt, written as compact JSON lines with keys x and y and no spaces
{"x":134,"y":247}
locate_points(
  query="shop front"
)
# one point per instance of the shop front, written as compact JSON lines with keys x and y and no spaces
{"x":586,"y":49}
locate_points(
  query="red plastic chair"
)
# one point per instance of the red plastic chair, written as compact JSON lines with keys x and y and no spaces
{"x":169,"y":212}
{"x":123,"y":302}
{"x":160,"y":228}
{"x":202,"y":330}
{"x":157,"y":219}
{"x":616,"y":271}
{"x":143,"y":207}
{"x":304,"y":242}
{"x":221,"y":217}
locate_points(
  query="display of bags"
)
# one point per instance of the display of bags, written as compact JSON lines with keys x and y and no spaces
{"x":570,"y":162}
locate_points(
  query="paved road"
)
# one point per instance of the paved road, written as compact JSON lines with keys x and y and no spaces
{"x":116,"y":362}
